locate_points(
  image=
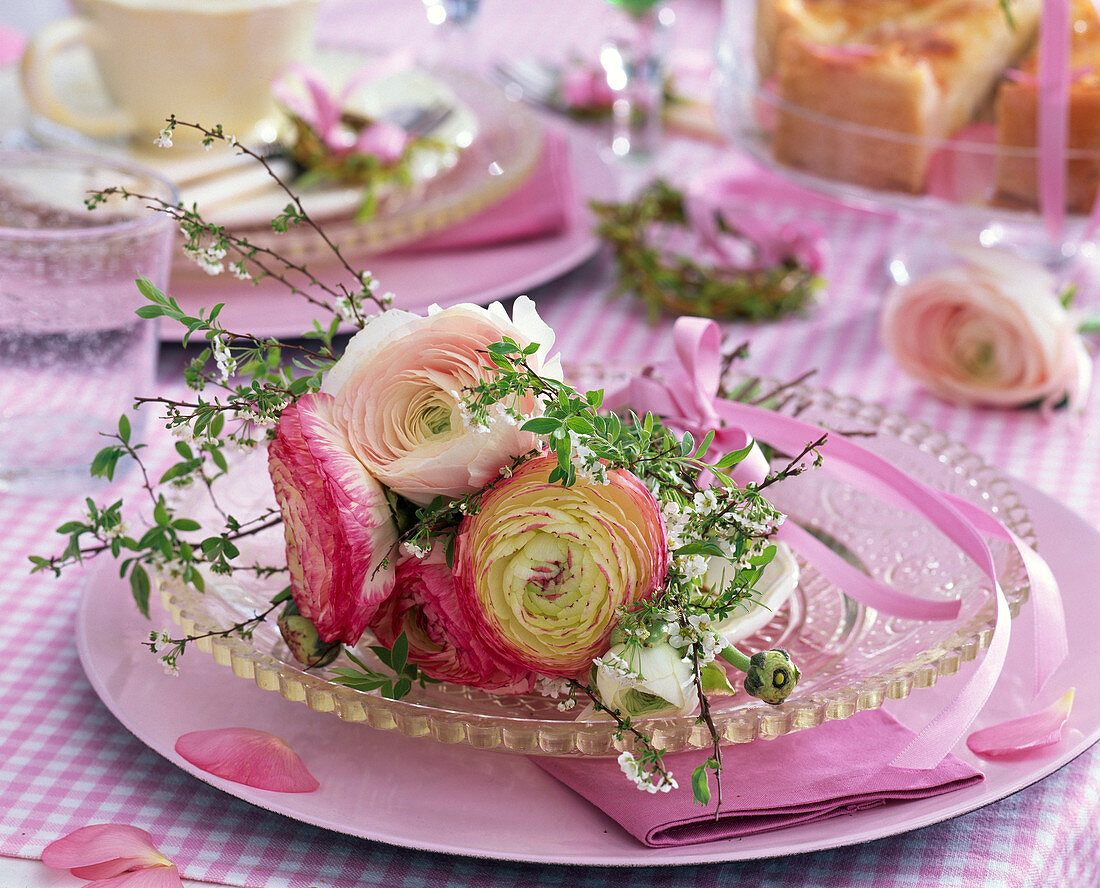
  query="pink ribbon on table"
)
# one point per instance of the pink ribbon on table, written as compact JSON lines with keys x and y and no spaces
{"x":321,"y":110}
{"x":684,"y":395}
{"x":1053,"y":112}
{"x":707,"y":204}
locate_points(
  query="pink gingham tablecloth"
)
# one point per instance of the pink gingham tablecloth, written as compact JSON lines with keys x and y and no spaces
{"x":66,"y":762}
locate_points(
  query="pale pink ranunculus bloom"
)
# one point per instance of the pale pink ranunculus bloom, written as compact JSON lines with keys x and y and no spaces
{"x":542,"y":569}
{"x":990,"y":331}
{"x":586,"y":89}
{"x":338,"y":524}
{"x":442,"y":640}
{"x":114,"y":854}
{"x":398,"y":393}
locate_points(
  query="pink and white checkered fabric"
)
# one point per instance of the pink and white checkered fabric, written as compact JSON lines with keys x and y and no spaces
{"x":66,"y":762}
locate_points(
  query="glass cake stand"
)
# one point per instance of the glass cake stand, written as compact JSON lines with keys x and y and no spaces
{"x":852,"y":658}
{"x":969,"y":181}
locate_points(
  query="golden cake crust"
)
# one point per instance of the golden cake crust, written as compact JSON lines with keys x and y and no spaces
{"x":844,"y":70}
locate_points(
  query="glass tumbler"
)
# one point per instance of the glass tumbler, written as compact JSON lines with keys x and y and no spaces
{"x":73,"y":353}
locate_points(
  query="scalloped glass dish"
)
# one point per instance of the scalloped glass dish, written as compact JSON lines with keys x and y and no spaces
{"x":832,"y":134}
{"x":851,"y":657}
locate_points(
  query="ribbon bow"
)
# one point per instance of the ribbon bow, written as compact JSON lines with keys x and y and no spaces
{"x":684,"y":395}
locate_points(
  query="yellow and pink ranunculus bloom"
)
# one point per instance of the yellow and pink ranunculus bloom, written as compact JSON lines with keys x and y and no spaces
{"x":340,"y":533}
{"x":541,"y":569}
{"x":398,"y":393}
{"x":443,"y":641}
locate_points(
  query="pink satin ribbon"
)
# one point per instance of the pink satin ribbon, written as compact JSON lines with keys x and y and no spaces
{"x":684,"y":395}
{"x":1053,"y":113}
{"x":320,"y":109}
{"x":708,"y":197}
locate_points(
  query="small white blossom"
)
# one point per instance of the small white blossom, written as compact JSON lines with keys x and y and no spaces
{"x":168,"y":664}
{"x":567,"y":704}
{"x":227,"y":364}
{"x":700,"y":631}
{"x":411,"y":548}
{"x":239,"y":271}
{"x":551,"y":686}
{"x":645,"y":782}
{"x":208,"y":259}
{"x":164,"y":138}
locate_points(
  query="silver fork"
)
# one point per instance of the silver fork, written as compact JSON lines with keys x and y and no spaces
{"x":421,"y":120}
{"x":530,"y":81}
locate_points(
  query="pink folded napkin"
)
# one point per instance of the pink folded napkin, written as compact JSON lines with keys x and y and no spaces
{"x":838,"y":768}
{"x":541,"y":206}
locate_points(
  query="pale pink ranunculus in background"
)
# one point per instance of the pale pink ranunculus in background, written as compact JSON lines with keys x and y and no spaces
{"x":542,"y":569}
{"x":584,"y":88}
{"x":338,"y":524}
{"x":991,"y":331}
{"x":398,"y":392}
{"x":442,"y":640}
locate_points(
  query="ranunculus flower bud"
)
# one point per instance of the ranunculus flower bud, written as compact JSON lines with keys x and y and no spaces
{"x":772,"y":675}
{"x":541,"y":568}
{"x":399,"y":391}
{"x":442,"y":642}
{"x":662,"y":681}
{"x":338,"y":525}
{"x":990,"y":331}
{"x":302,"y":638}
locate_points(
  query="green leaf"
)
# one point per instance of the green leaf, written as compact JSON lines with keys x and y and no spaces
{"x":734,"y":457}
{"x":140,"y":588}
{"x":399,"y":653}
{"x":542,"y":425}
{"x":124,"y":428}
{"x":700,"y":785}
{"x":186,"y":524}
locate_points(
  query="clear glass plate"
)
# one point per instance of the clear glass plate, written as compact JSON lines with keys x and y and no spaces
{"x":851,"y":657}
{"x":965,"y":174}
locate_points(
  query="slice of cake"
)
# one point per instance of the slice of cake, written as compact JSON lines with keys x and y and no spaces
{"x":846,"y":70}
{"x":1015,"y":111}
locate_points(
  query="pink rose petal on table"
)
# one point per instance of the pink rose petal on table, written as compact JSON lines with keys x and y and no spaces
{"x":247,"y":756}
{"x":112,"y":854}
{"x":1022,"y":735}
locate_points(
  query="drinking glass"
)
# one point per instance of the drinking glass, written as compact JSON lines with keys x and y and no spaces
{"x":453,"y":22}
{"x":73,"y":354}
{"x":634,"y":63}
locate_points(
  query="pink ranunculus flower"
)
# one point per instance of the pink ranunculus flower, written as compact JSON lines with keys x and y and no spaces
{"x":339,"y":528}
{"x":542,"y":569}
{"x":399,"y":389}
{"x":989,"y":331}
{"x":584,"y":88}
{"x":442,"y":640}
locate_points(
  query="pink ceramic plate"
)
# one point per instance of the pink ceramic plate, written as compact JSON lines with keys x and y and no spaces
{"x":419,"y":279}
{"x":457,"y":800}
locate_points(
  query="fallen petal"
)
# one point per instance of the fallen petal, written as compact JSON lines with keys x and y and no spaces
{"x":109,"y":848}
{"x":1022,"y":735}
{"x":149,"y":877}
{"x":247,"y":756}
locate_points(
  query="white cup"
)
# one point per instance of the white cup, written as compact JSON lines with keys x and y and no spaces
{"x":205,"y":61}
